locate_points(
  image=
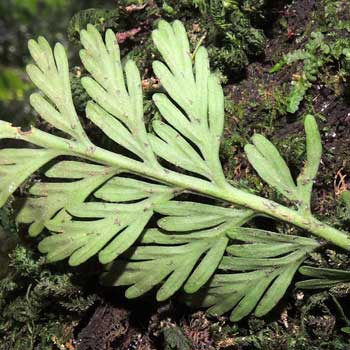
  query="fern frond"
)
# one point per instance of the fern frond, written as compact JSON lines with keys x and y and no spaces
{"x":106,"y":229}
{"x":272,"y":168}
{"x":190,"y":109}
{"x":264,"y":266}
{"x":16,"y":167}
{"x":322,"y":277}
{"x":48,"y":199}
{"x":313,"y":159}
{"x":188,"y":216}
{"x":118,"y":104}
{"x":176,"y":260}
{"x":98,"y":202}
{"x":51,"y":75}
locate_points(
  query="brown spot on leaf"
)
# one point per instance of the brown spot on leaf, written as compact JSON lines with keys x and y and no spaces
{"x":24,"y":131}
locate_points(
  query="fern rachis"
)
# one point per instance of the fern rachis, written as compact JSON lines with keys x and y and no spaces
{"x":93,"y":206}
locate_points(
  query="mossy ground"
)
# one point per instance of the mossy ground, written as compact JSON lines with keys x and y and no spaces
{"x":53,"y":307}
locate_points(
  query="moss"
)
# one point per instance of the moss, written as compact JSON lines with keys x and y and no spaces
{"x":226,"y":27}
{"x":174,"y":339}
{"x":229,"y":59}
{"x":327,"y":43}
{"x":38,"y":304}
{"x":79,"y":94}
{"x":100,"y":18}
{"x":8,"y":236}
{"x":233,"y":33}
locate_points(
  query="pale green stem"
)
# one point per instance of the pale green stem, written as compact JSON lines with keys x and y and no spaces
{"x":235,"y":196}
{"x":224,"y":192}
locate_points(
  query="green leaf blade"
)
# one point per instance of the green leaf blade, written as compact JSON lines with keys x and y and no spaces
{"x":270,"y":166}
